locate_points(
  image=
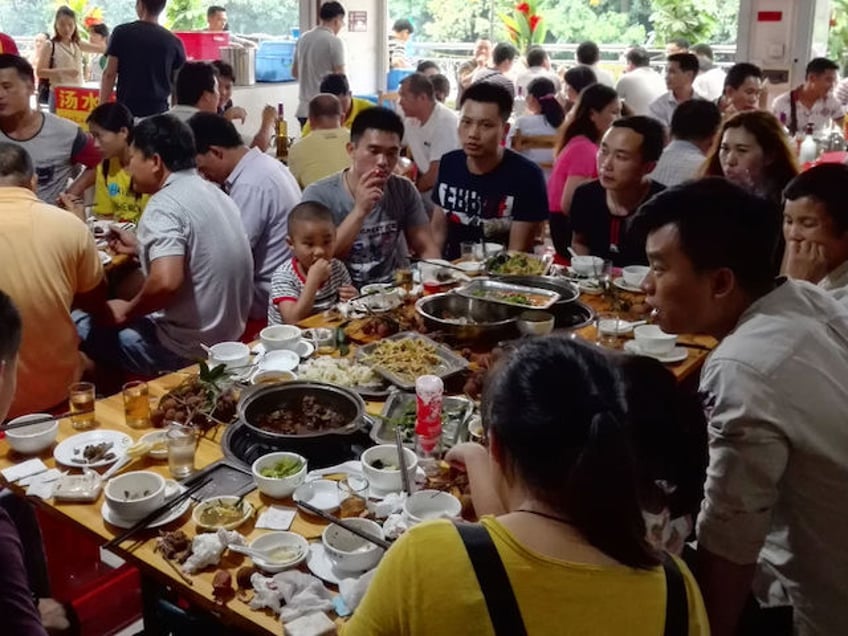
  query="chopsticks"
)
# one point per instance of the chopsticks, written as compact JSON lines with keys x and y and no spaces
{"x":43,"y":419}
{"x":404,"y":475}
{"x":441,"y":264}
{"x":144,"y":522}
{"x":326,"y":516}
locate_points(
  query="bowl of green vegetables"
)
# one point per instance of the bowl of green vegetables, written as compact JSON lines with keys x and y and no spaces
{"x":278,"y":474}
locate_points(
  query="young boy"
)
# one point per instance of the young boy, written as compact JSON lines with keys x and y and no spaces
{"x":311,"y":280}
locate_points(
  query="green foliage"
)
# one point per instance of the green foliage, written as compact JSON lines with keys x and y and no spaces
{"x":275,"y":17}
{"x":185,"y":15}
{"x":837,"y":44}
{"x":691,"y":19}
{"x":525,"y":26}
{"x":577,"y":21}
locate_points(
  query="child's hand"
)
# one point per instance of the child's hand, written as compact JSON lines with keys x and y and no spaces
{"x":346,"y":292}
{"x":319,"y":273}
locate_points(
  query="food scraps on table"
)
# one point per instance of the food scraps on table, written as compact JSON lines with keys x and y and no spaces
{"x":207,"y":548}
{"x":222,"y":586}
{"x":93,"y":453}
{"x":220,"y":512}
{"x":372,"y":328}
{"x":407,"y":357}
{"x":243,"y":576}
{"x":306,"y":415}
{"x":174,"y":546}
{"x":203,"y":401}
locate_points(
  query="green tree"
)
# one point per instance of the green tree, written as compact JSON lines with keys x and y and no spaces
{"x":838,"y":40}
{"x":185,"y":15}
{"x":577,"y":21}
{"x":274,"y":17}
{"x":694,"y":20}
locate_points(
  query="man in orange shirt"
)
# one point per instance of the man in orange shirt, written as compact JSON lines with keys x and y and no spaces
{"x":48,"y":263}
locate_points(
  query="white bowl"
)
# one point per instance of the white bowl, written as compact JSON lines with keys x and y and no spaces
{"x":272,"y":377}
{"x":279,"y":539}
{"x":274,"y":487}
{"x":135,"y":494}
{"x":535,"y":323}
{"x":471,"y":268}
{"x":33,"y":439}
{"x":385,"y":479}
{"x":281,"y":360}
{"x":635,"y":274}
{"x":280,"y":337}
{"x":230,"y":354}
{"x":351,"y":552}
{"x":196,"y":515}
{"x":491,"y":249}
{"x":652,"y":339}
{"x":321,"y":493}
{"x":431,"y":504}
{"x":587,"y":265}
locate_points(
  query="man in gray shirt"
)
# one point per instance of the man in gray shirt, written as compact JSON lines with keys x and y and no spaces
{"x":773,"y":518}
{"x":377,"y":212}
{"x":194,"y":254}
{"x":319,"y":52}
{"x":263,"y":189}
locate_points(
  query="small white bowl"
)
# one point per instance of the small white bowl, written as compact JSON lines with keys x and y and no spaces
{"x":135,"y":494}
{"x":587,"y":265}
{"x":247,"y":513}
{"x":384,"y":479}
{"x":322,"y":494}
{"x":280,"y":360}
{"x":272,"y":377}
{"x":278,"y":337}
{"x":471,"y":268}
{"x":230,"y":354}
{"x":33,"y":439}
{"x":351,"y":552}
{"x":634,"y":274}
{"x":158,"y":441}
{"x":282,"y":487}
{"x":431,"y":504}
{"x":279,"y":539}
{"x":651,"y":339}
{"x":535,"y":323}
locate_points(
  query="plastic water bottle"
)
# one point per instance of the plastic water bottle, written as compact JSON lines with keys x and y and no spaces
{"x":429,"y":390}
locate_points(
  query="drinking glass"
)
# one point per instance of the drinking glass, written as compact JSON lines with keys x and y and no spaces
{"x":136,"y":404}
{"x":608,"y":337}
{"x":324,"y":340}
{"x":182,"y":444}
{"x":466,"y":250}
{"x":81,"y":400}
{"x":353,"y":496}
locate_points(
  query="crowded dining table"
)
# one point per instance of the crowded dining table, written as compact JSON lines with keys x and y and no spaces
{"x":198,"y":588}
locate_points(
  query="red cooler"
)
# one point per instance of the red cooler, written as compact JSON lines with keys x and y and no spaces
{"x":203,"y":46}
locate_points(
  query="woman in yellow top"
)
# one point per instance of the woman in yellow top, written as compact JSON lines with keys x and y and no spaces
{"x":111,"y":127}
{"x":572,"y":541}
{"x":60,"y":59}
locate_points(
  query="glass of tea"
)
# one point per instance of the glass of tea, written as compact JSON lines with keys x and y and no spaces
{"x":136,"y":404}
{"x":353,"y":496}
{"x":81,"y":405}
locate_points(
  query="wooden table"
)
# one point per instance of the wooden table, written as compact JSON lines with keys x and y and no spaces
{"x":110,"y":415}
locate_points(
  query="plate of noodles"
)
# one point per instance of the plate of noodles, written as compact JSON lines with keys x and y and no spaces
{"x":405,"y":356}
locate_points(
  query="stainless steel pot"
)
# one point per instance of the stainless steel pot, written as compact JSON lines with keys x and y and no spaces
{"x":491,"y":321}
{"x":243,"y":61}
{"x":264,"y":399}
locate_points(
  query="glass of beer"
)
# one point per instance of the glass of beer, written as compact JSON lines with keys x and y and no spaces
{"x":81,"y":400}
{"x":353,"y":496}
{"x":136,"y":404}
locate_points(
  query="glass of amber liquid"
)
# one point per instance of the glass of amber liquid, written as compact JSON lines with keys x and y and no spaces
{"x":136,"y":404}
{"x":81,"y":405}
{"x":353,"y":496}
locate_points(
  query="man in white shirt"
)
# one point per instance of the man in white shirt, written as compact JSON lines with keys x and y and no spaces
{"x":538,"y":65}
{"x":323,"y":151}
{"x":263,"y":189}
{"x":195,"y":91}
{"x":812,"y":102}
{"x":640,"y":84}
{"x":680,"y":74}
{"x":430,"y":129}
{"x":693,"y":130}
{"x":588,"y":54}
{"x":319,"y":52}
{"x":773,"y":518}
{"x":710,"y":81}
{"x":503,"y":58}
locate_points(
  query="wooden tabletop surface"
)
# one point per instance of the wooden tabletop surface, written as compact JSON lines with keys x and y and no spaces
{"x":110,"y":415}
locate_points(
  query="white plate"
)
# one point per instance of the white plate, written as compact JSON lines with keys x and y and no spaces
{"x":152,"y":437}
{"x":320,"y":565}
{"x":678,"y":354}
{"x":282,"y":360}
{"x":64,"y":452}
{"x":321,"y":493}
{"x":619,"y":282}
{"x":118,"y":521}
{"x":304,"y":349}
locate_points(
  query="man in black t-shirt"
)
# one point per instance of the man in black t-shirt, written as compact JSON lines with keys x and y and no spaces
{"x":485,"y":190}
{"x":143,"y":57}
{"x":602,"y":210}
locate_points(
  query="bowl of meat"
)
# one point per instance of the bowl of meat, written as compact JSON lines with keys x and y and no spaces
{"x":297,"y":410}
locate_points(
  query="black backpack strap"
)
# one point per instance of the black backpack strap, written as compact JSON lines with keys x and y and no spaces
{"x":793,"y":112}
{"x":676,"y":605}
{"x":492,"y":577}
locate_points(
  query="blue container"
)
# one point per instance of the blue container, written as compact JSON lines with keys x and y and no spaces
{"x":274,"y":61}
{"x":396,"y":76}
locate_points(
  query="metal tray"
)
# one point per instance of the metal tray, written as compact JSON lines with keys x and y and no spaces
{"x":480,"y":288}
{"x":227,"y":479}
{"x":456,"y":411}
{"x":449,"y":362}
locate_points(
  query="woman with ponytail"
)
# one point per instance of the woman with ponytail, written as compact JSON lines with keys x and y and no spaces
{"x":567,"y":552}
{"x":545,"y":115}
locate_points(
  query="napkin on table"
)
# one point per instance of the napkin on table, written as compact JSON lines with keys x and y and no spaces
{"x":24,"y":469}
{"x":276,"y":518}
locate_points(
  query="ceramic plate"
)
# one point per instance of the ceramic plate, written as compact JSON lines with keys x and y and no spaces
{"x":118,"y":521}
{"x":623,"y":286}
{"x":246,"y":507}
{"x":321,"y":566}
{"x":321,"y":493}
{"x":678,"y":354}
{"x":153,"y":437}
{"x":304,"y":348}
{"x":282,"y":360}
{"x":73,"y":447}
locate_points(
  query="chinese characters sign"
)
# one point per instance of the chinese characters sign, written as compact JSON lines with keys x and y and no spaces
{"x":76,"y":102}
